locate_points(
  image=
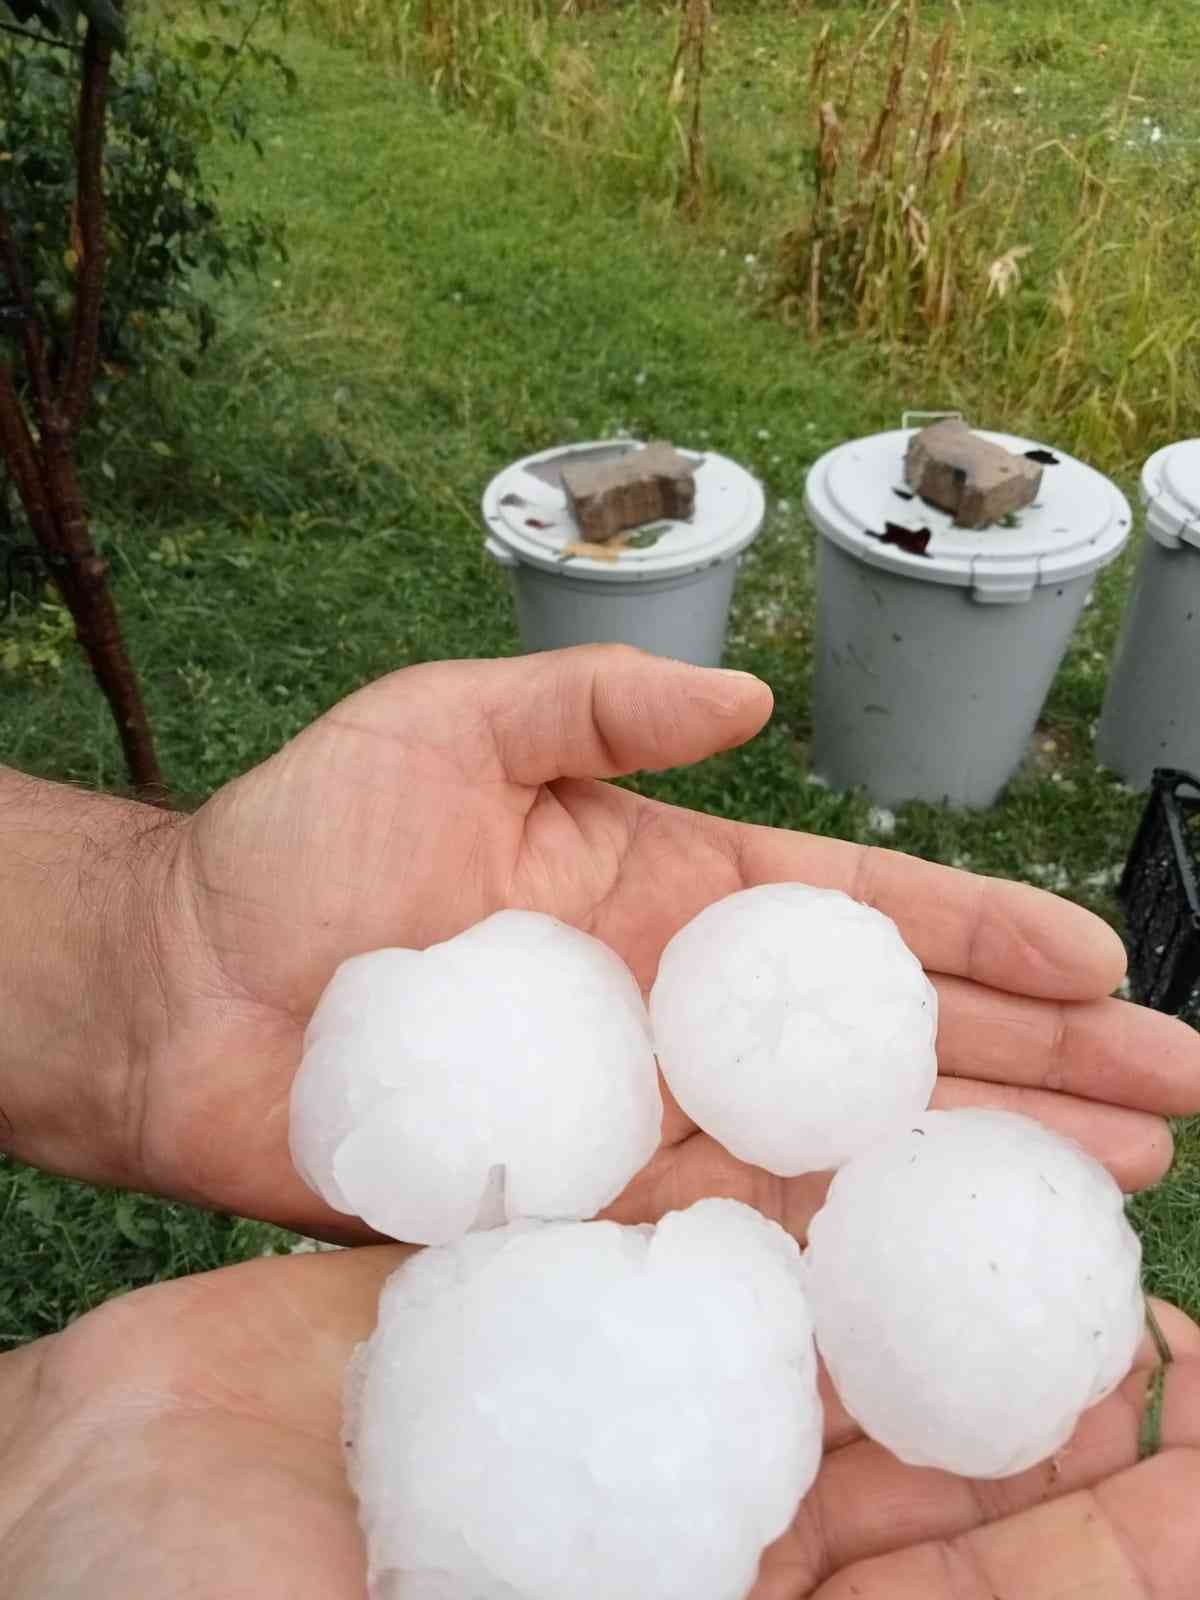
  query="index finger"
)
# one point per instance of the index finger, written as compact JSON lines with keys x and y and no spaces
{"x":1004,"y":935}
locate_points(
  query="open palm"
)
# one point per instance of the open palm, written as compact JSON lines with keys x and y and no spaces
{"x":442,"y":793}
{"x":184,"y":1442}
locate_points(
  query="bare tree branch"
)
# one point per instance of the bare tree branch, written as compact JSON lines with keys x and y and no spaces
{"x":89,"y":202}
{"x":39,"y":453}
{"x":19,"y":450}
{"x":83,"y":579}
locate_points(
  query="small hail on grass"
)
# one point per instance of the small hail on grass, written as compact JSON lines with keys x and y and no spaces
{"x":881,"y":821}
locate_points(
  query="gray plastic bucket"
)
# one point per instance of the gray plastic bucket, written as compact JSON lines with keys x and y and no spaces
{"x":931,"y":668}
{"x":1151,"y":715}
{"x":668,"y":592}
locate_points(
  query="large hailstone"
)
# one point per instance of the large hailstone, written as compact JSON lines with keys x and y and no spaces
{"x":975,"y":1285}
{"x":505,"y":1073}
{"x":794,"y":1025}
{"x":582,"y":1411}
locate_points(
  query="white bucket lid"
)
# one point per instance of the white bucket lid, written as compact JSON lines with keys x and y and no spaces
{"x":525,"y":509}
{"x":1079,"y":522}
{"x":1171,"y":492}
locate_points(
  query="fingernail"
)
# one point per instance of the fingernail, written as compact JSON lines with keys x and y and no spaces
{"x":729,"y":672}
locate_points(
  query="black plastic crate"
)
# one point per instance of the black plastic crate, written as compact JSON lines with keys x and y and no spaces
{"x":1160,"y":894}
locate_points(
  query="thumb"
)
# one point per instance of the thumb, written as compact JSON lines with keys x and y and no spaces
{"x":599,"y":711}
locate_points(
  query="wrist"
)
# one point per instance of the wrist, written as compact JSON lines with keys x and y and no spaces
{"x":79,"y":877}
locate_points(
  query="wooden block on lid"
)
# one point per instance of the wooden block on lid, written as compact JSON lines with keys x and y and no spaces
{"x":977,"y":481}
{"x":644,"y":486}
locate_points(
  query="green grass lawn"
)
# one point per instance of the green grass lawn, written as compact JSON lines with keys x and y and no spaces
{"x":307,"y":519}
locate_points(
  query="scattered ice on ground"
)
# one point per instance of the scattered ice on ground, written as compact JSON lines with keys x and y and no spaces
{"x":1049,"y":875}
{"x":975,"y":1285}
{"x":1106,"y":878}
{"x":770,"y":615}
{"x":586,"y":1412}
{"x":881,"y":821}
{"x":794,"y":1026}
{"x":505,"y":1073}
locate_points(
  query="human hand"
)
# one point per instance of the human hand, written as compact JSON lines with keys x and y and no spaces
{"x":440,"y":794}
{"x":184,"y":1442}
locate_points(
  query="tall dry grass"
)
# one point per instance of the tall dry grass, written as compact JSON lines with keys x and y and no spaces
{"x":467,"y":51}
{"x":381,"y":29}
{"x":519,"y":63}
{"x":1046,"y":284}
{"x":888,"y":244}
{"x":1043,"y":282}
{"x":685,"y":100}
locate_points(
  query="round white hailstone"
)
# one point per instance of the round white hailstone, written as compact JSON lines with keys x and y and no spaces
{"x":975,"y":1285}
{"x":795,"y":1026}
{"x":505,"y":1073}
{"x":582,"y":1411}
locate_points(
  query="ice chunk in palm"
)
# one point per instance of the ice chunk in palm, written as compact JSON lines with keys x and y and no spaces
{"x":505,"y":1073}
{"x":581,"y":1411}
{"x":794,"y":1025}
{"x":975,"y":1285}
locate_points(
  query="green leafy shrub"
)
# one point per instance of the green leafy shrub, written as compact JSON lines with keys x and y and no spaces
{"x":166,"y":235}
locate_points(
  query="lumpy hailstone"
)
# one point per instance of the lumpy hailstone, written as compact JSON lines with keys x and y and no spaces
{"x":795,"y":1026}
{"x":975,"y":1286}
{"x":581,"y":1411}
{"x":505,"y":1073}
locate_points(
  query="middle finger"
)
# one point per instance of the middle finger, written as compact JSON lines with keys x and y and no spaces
{"x":1107,"y":1050}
